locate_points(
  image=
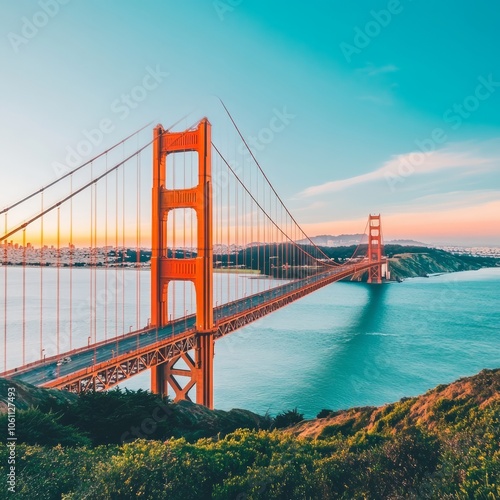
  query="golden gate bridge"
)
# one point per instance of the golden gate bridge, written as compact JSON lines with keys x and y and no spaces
{"x":150,"y":282}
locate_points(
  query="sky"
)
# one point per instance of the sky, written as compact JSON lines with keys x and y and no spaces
{"x":388,"y":107}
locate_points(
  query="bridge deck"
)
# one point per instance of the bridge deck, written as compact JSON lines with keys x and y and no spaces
{"x":103,"y":365}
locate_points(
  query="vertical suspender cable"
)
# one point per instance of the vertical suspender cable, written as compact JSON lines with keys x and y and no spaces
{"x":116,"y":260}
{"x":137,"y":250}
{"x":58,"y":277}
{"x":138,"y":246}
{"x":91,"y":259}
{"x":5,"y":262}
{"x":24,"y":296}
{"x":221,"y":242}
{"x":106,"y":258}
{"x":41,"y":273}
{"x":236,"y":226}
{"x":116,"y":257}
{"x":251,"y":229}
{"x":228,"y":240}
{"x":71,"y":268}
{"x":123,"y":246}
{"x":94,"y":269}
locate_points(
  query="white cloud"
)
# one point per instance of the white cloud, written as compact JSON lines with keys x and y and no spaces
{"x":406,"y":165}
{"x":315,"y":205}
{"x":448,"y":201}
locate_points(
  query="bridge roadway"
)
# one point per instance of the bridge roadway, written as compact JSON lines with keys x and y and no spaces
{"x":88,"y":359}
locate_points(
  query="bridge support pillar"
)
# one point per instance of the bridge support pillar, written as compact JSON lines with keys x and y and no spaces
{"x":167,"y":376}
{"x":158,"y":380}
{"x":197,"y":373}
{"x":375,"y":248}
{"x":205,"y":369}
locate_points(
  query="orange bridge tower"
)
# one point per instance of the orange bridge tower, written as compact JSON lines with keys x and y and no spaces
{"x":198,"y":270}
{"x":375,"y":248}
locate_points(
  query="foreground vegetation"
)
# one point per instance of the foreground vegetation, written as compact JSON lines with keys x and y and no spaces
{"x":444,"y":444}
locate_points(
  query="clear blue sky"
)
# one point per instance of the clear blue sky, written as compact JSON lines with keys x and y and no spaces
{"x":369,"y":85}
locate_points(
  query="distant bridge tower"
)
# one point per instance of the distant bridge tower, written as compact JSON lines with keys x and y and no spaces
{"x":374,"y":248}
{"x":198,"y":270}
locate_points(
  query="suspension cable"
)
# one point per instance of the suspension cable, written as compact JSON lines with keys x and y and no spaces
{"x":74,"y":193}
{"x":268,"y":181}
{"x":332,"y":264}
{"x":71,"y":172}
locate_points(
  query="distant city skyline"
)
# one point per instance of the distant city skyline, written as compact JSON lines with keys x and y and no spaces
{"x":378,"y":107}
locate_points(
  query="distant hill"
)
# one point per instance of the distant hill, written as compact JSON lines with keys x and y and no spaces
{"x":411,"y":262}
{"x":328,"y":240}
{"x":409,"y":243}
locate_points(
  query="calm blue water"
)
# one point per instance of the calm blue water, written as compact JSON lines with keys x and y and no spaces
{"x":353,"y":344}
{"x":348,"y":344}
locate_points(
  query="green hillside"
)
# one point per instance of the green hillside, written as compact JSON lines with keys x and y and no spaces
{"x":444,"y":444}
{"x":286,"y":260}
{"x":412,"y":262}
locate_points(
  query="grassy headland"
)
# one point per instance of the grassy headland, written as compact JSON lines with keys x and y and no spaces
{"x":443,"y":444}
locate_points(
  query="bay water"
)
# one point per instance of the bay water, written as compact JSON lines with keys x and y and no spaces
{"x":348,"y":344}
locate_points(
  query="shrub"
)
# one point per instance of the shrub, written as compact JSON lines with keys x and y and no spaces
{"x":288,"y":418}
